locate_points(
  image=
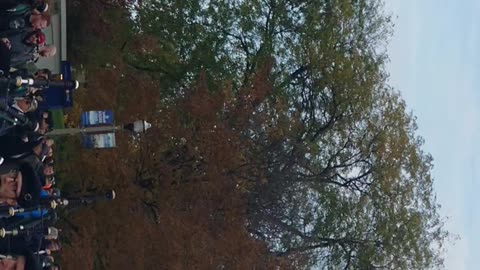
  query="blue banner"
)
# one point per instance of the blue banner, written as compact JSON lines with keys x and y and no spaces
{"x":102,"y":140}
{"x":96,"y":118}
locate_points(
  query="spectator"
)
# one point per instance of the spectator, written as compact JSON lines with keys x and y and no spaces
{"x":47,"y":51}
{"x":18,"y":183}
{"x":15,"y":24}
{"x":48,"y":170}
{"x":24,"y":47}
{"x":10,"y":182}
{"x":24,"y":105}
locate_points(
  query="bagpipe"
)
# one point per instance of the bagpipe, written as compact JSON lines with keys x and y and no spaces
{"x":7,"y":83}
{"x":7,"y":87}
{"x":19,"y":228}
{"x":48,"y":232}
{"x":55,"y":202}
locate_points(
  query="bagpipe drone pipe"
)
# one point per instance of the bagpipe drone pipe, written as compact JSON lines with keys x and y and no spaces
{"x":53,"y":202}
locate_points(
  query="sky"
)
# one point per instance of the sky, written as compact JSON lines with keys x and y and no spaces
{"x":435,"y":64}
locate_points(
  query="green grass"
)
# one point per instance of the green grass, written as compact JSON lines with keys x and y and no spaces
{"x":57,"y":117}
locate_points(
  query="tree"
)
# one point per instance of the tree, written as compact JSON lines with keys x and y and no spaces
{"x":276,"y":127}
{"x":365,"y":206}
{"x":341,"y":170}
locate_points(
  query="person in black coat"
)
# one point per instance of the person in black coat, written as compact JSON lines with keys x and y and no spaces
{"x":24,"y":47}
{"x":19,"y":183}
{"x":18,"y":146}
{"x":26,"y":22}
{"x":11,"y":182}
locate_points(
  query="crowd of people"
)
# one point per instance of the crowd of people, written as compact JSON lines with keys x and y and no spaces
{"x":28,"y":196}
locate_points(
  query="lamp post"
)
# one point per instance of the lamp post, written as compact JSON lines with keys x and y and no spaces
{"x":137,"y":127}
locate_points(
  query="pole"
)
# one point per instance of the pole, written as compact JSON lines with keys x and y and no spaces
{"x":73,"y":131}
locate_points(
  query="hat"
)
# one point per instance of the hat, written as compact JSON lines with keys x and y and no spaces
{"x":42,"y":7}
{"x":31,"y":187}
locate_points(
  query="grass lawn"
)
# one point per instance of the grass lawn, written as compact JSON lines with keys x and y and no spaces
{"x":58,"y":118}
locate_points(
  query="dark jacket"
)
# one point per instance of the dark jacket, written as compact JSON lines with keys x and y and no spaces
{"x":12,"y":147}
{"x":14,"y":24}
{"x":20,"y":51}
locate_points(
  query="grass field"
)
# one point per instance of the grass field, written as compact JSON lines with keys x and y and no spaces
{"x":58,"y":118}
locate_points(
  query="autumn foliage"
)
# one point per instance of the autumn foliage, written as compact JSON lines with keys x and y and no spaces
{"x":179,"y":205}
{"x":262,"y":155}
